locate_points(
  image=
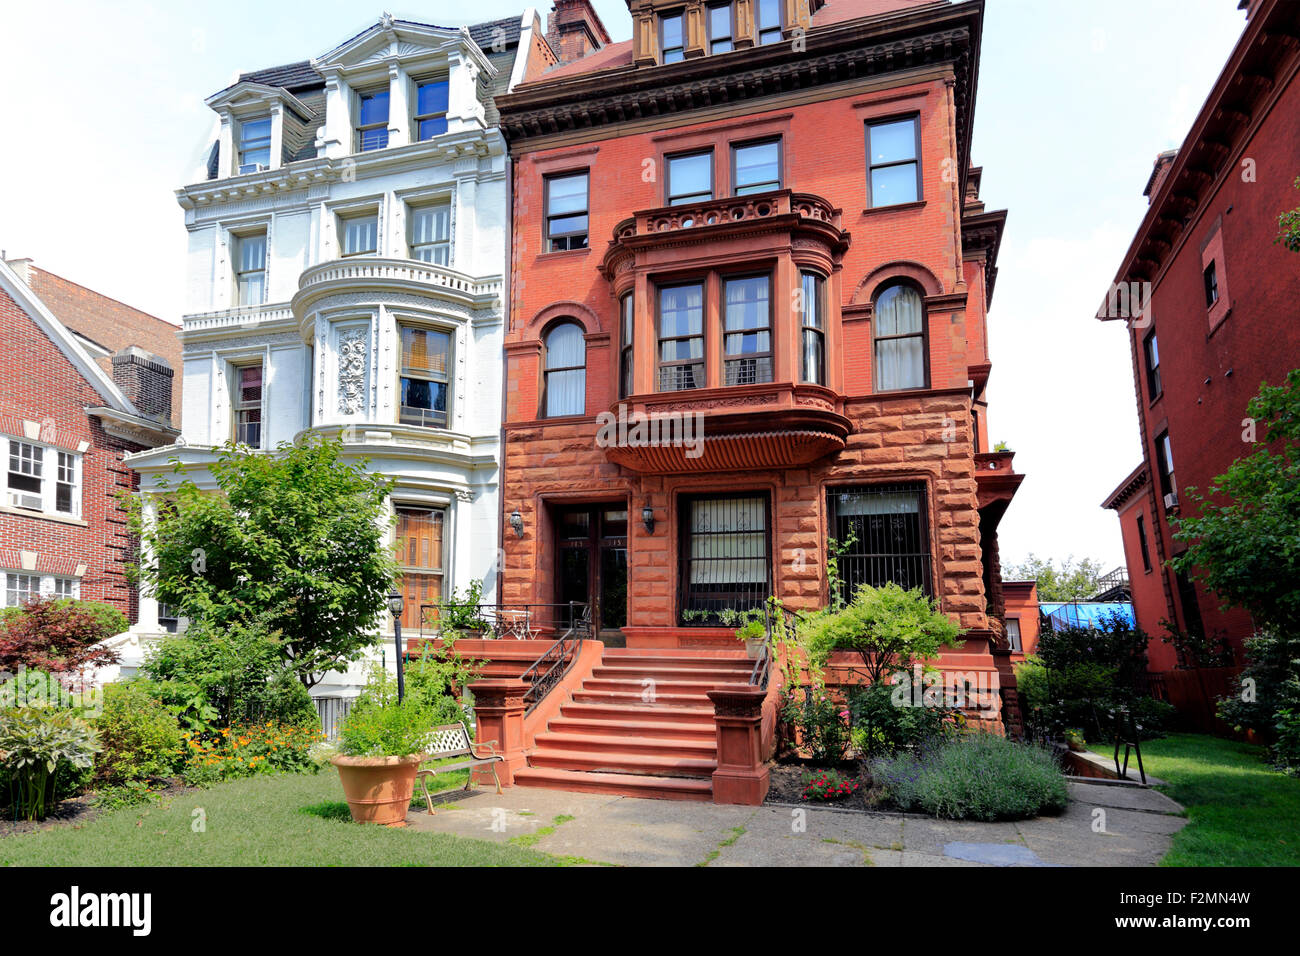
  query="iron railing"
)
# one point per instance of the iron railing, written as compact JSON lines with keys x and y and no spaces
{"x":545,"y":673}
{"x":520,"y":622}
{"x":762,"y":671}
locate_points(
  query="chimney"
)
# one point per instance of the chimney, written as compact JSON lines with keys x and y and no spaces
{"x":1164,"y":162}
{"x":145,"y":379}
{"x":573,"y":30}
{"x":22,"y":268}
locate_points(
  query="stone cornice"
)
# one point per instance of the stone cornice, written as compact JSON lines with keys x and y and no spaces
{"x":981,"y":236}
{"x":836,"y":53}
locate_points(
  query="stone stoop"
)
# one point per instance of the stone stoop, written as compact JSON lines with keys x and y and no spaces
{"x":618,"y":734}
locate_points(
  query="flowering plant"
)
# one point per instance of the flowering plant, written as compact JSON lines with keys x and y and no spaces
{"x":243,"y":750}
{"x":827,"y":785}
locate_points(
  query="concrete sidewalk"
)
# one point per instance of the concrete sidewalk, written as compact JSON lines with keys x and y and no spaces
{"x":1104,"y":825}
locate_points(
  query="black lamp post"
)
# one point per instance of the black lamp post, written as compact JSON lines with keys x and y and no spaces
{"x":395,"y":604}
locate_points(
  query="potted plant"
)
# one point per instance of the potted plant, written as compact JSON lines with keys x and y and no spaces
{"x":381,"y":745}
{"x":749,"y":628}
{"x":1074,"y":738}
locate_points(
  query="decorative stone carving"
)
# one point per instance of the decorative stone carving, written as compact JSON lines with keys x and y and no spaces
{"x":352,"y":370}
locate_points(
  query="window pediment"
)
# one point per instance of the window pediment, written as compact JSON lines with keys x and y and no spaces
{"x":247,"y":97}
{"x":390,"y":40}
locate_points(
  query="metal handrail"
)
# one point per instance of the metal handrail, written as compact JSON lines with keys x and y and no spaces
{"x":762,"y":670}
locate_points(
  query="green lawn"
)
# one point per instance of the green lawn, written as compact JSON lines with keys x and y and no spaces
{"x":255,"y":822}
{"x":1242,"y":812}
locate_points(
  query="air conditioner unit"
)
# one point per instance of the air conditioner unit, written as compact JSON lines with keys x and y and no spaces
{"x":19,"y":499}
{"x":252,"y":168}
{"x":1171,"y":501}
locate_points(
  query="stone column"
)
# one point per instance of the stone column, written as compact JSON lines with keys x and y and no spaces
{"x":499,"y":714}
{"x":742,"y":777}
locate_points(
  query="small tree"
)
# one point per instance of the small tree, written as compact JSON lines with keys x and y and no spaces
{"x":59,"y":635}
{"x":295,"y":543}
{"x":1072,"y":581}
{"x":1288,"y":225}
{"x":889,"y":628}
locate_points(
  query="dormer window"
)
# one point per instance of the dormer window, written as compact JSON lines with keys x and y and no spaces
{"x":431,"y":98}
{"x":360,"y":235}
{"x":372,"y":121}
{"x":672,"y":39}
{"x":255,"y":145}
{"x":769,"y":21}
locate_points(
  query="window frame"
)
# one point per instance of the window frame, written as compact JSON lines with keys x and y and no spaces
{"x":548,"y":237}
{"x":760,"y":30}
{"x":344,"y":218}
{"x":685,"y":535}
{"x":729,"y":358}
{"x":413,"y":210}
{"x":1151,"y":359}
{"x":360,"y":129}
{"x":418,"y":118}
{"x":547,"y":370}
{"x":241,"y":148}
{"x":915,"y":119}
{"x":238,"y":407}
{"x":237,"y":261}
{"x":924,"y":336}
{"x":1017,"y":646}
{"x":627,"y":345}
{"x":404,"y":371}
{"x":703,"y":360}
{"x":1165,"y":464}
{"x":1210,"y":278}
{"x":1144,"y":545}
{"x":49,"y":469}
{"x":730,"y":38}
{"x":440,"y":571}
{"x":780,"y":165}
{"x":687,"y":199}
{"x":664,"y":49}
{"x":820,"y":287}
{"x":926,"y":558}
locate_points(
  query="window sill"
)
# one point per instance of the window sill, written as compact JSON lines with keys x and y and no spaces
{"x":44,"y":516}
{"x":897,"y":207}
{"x":564,"y":253}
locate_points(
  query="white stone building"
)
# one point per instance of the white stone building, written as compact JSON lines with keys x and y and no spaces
{"x":346,"y":273}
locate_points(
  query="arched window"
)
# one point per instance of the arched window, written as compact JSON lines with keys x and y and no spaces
{"x":566,"y":371}
{"x":899,"y":331}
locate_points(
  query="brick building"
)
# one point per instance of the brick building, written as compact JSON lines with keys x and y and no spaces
{"x":83,"y":382}
{"x":758,"y":219}
{"x":1209,"y":308}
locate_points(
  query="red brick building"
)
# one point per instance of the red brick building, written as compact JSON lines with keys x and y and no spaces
{"x":756,"y":224}
{"x":81,"y":384}
{"x":1209,"y":303}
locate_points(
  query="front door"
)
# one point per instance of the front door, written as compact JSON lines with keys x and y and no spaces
{"x":591,"y":564}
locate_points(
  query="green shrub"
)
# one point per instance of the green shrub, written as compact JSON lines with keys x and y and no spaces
{"x":379,"y":726}
{"x":45,"y":752}
{"x":822,"y":723}
{"x":436,"y":680}
{"x":882,"y":726}
{"x":974,"y":777}
{"x":139,"y":734}
{"x":1285,"y":751}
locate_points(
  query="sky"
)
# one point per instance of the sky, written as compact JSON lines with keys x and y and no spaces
{"x":1074,"y":102}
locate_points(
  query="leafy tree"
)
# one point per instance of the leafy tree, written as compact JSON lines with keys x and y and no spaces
{"x":59,"y":635}
{"x":889,"y":628}
{"x":295,"y":543}
{"x":1288,"y":225}
{"x":1071,"y":581}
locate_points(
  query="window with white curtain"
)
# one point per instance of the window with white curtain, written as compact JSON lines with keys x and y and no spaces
{"x":747,"y":331}
{"x":899,"y":331}
{"x":812,"y":363}
{"x":250,"y":268}
{"x":681,"y":337}
{"x":1013,"y":634}
{"x":431,"y":233}
{"x":360,"y":234}
{"x":566,"y":370}
{"x":725,"y":555}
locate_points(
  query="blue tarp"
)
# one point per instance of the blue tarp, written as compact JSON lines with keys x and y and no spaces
{"x":1087,"y":613}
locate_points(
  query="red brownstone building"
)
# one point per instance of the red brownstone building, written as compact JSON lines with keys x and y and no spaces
{"x":82,"y":383}
{"x":755,"y":227}
{"x":1210,"y":308}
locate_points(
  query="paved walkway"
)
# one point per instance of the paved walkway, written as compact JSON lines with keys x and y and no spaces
{"x":1104,"y":825}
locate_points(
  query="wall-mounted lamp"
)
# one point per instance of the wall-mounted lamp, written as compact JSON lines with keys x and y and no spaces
{"x":517,"y":522}
{"x":648,"y":519}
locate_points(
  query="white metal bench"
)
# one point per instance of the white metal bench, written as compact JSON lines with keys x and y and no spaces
{"x":453,"y":740}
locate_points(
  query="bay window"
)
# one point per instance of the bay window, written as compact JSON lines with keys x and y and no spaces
{"x":747,"y":331}
{"x":426,"y":365}
{"x":627,"y":328}
{"x":681,"y":337}
{"x":812,"y":352}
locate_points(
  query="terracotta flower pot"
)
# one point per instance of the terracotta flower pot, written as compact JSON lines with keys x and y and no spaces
{"x":378,"y":789}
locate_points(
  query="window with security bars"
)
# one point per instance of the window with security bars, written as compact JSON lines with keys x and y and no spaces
{"x":431,"y":233}
{"x":747,"y":331}
{"x":426,"y":359}
{"x":248,"y":405}
{"x":726,"y":562}
{"x":884,"y":534}
{"x":420,"y":553}
{"x":681,"y":337}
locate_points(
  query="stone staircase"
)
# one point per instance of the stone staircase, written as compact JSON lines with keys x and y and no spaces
{"x":619,"y":734}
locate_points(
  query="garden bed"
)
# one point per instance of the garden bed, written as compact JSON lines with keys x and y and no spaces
{"x":787,"y":786}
